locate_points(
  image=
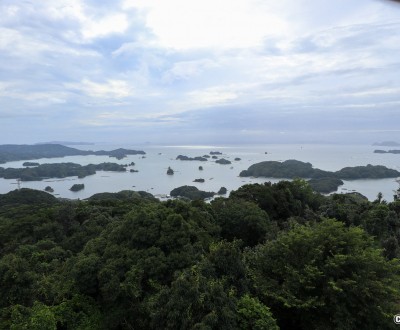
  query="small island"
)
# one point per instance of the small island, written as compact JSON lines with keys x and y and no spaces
{"x":237,"y":159}
{"x":223,"y":161}
{"x":215,"y":153}
{"x":222,"y":191}
{"x":198,"y":180}
{"x":170,"y":171}
{"x":77,"y":187}
{"x":198,"y":158}
{"x":49,"y":189}
{"x":200,"y":168}
{"x":190,"y":192}
{"x":30,"y":164}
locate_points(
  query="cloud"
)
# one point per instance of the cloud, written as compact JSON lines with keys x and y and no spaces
{"x":209,"y":24}
{"x":175,"y":67}
{"x":186,"y":69}
{"x":115,"y":23}
{"x":109,"y":89}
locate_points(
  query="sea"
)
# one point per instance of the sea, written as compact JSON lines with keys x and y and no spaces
{"x":152,"y":167}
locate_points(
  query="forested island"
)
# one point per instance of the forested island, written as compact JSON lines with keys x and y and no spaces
{"x":77,"y":187}
{"x":378,"y":151}
{"x":58,"y":170}
{"x":198,"y":158}
{"x":323,"y":181}
{"x":191,"y":192}
{"x":271,"y":256}
{"x":14,"y":152}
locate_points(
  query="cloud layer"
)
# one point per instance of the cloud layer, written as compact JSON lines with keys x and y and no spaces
{"x":235,"y":71}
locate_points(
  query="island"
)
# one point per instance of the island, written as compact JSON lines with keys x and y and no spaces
{"x":30,"y":164}
{"x":378,"y":151}
{"x":123,"y":195}
{"x":77,"y":187}
{"x":323,"y":181}
{"x":49,"y":189}
{"x":200,"y":168}
{"x":198,"y":180}
{"x":191,"y":192}
{"x":237,"y":159}
{"x":170,"y":171}
{"x":201,"y":159}
{"x":215,"y":153}
{"x":291,"y":169}
{"x":57,"y":170}
{"x":222,"y":191}
{"x":223,"y":161}
{"x":15,"y":152}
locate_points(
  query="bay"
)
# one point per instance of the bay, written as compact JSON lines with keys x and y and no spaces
{"x":153,"y":166}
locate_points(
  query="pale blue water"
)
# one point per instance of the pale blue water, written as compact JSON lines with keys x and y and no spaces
{"x":152,"y":175}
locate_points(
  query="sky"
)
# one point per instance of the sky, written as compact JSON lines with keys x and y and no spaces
{"x":199,"y":72}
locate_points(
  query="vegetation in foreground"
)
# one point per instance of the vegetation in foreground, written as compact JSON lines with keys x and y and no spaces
{"x":268,"y":257}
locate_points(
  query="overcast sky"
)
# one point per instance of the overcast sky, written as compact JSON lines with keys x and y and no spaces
{"x":209,"y":71}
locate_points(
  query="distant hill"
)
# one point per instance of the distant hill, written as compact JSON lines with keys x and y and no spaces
{"x":15,"y":152}
{"x":66,"y":143}
{"x":27,"y":196}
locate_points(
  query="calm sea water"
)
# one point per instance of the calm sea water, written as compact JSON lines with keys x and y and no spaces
{"x":152,"y":169}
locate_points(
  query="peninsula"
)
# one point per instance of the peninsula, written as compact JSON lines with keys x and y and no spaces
{"x":15,"y":152}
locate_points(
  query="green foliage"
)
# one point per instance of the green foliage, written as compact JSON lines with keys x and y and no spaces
{"x":326,"y":272}
{"x":243,"y":220}
{"x":194,"y":302}
{"x":281,"y":200}
{"x":27,"y":196}
{"x":253,"y":315}
{"x":129,"y":261}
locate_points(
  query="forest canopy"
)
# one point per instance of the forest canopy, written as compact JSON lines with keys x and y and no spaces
{"x":271,"y":256}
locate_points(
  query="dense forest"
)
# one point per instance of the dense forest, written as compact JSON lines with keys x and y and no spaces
{"x":271,"y":256}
